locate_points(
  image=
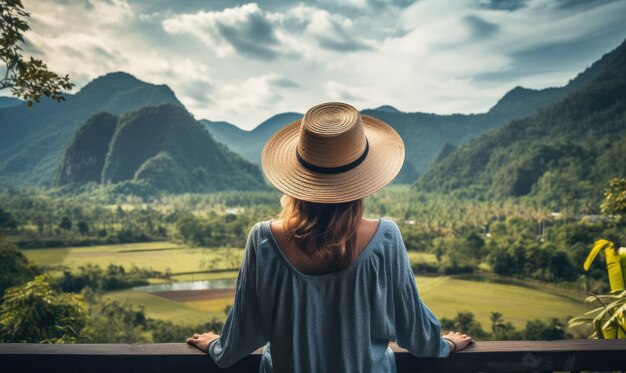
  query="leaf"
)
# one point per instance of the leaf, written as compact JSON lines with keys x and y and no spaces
{"x":599,"y":245}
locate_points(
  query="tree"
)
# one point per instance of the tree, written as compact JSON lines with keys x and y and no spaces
{"x":496,"y":321}
{"x":83,"y":227}
{"x":464,"y":321}
{"x":35,"y":312}
{"x":65,"y":223}
{"x":6,"y":221}
{"x":27,"y":78}
{"x":545,"y":330}
{"x":615,"y":198}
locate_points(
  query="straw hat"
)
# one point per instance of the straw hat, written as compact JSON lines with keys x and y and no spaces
{"x":333,"y":154}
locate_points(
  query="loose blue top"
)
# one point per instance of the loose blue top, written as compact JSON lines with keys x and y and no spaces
{"x":335,"y":322}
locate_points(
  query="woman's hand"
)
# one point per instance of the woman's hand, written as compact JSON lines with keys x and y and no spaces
{"x":201,"y":341}
{"x":458,"y":341}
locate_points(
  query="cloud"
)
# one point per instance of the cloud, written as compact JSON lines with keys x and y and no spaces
{"x":331,"y":31}
{"x":509,"y":5}
{"x":246,"y":29}
{"x":250,"y":94}
{"x":481,"y":29}
{"x":342,"y":92}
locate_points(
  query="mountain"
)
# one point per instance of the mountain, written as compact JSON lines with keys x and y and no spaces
{"x":249,"y":143}
{"x":424,"y":134}
{"x":388,"y":109}
{"x":84,"y":158}
{"x":564,"y":153}
{"x":33,"y":140}
{"x":9,"y":102}
{"x":161,"y":148}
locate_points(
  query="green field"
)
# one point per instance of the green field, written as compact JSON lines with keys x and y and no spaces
{"x":159,"y":256}
{"x":164,"y":309}
{"x":444,"y":295}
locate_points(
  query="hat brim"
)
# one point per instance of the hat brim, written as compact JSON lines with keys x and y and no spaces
{"x":381,"y":165}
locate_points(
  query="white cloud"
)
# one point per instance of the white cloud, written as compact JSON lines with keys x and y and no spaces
{"x":246,"y":29}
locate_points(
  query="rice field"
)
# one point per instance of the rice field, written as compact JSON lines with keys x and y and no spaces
{"x":159,"y":256}
{"x":444,"y":295}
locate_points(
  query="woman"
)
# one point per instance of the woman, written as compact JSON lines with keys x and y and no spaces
{"x":324,"y":289}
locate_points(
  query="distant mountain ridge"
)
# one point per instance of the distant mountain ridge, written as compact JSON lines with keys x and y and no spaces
{"x":564,"y":153}
{"x":155,"y":149}
{"x":424,"y":134}
{"x":32,"y":141}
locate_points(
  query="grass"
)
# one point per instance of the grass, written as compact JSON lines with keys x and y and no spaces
{"x":160,"y":256}
{"x":446,"y":296}
{"x":164,"y":309}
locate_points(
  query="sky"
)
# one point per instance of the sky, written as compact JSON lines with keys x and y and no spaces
{"x":244,"y":62}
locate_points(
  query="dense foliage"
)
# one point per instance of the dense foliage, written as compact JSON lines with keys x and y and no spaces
{"x":115,"y":277}
{"x":15,"y":269}
{"x":535,"y":330}
{"x":36,"y":312}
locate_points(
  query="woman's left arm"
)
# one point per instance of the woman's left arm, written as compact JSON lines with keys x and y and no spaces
{"x":243,"y":332}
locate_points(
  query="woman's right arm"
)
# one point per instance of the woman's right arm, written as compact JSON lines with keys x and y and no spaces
{"x":417,"y":329}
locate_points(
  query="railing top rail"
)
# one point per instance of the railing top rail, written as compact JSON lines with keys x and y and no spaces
{"x":492,"y":356}
{"x":486,"y":347}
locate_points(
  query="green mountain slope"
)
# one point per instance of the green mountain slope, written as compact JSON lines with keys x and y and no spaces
{"x":84,"y":158}
{"x":564,"y":153}
{"x":33,"y":141}
{"x":166,"y":148}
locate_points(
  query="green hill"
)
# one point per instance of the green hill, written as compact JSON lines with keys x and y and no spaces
{"x":562,"y":154}
{"x":165,"y":148}
{"x":33,"y":141}
{"x":84,"y":157}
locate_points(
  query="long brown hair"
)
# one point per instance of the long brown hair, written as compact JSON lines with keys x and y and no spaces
{"x":326,"y":232}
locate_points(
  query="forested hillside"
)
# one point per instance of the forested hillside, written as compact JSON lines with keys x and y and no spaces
{"x":564,"y":154}
{"x":33,"y":140}
{"x":152,"y":150}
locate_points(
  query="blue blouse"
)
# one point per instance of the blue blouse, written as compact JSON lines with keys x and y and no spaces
{"x":335,"y":322}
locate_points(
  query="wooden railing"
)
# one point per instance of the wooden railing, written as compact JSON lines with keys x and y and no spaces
{"x":497,"y":356}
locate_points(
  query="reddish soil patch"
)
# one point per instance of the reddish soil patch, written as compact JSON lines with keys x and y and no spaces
{"x":190,"y":295}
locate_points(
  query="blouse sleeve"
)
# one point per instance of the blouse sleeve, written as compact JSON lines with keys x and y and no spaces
{"x":417,"y":328}
{"x":242,"y":332}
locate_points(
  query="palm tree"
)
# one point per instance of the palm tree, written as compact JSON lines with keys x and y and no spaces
{"x":496,"y":322}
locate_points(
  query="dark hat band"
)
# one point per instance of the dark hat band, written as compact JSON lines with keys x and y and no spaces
{"x":334,"y":170}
